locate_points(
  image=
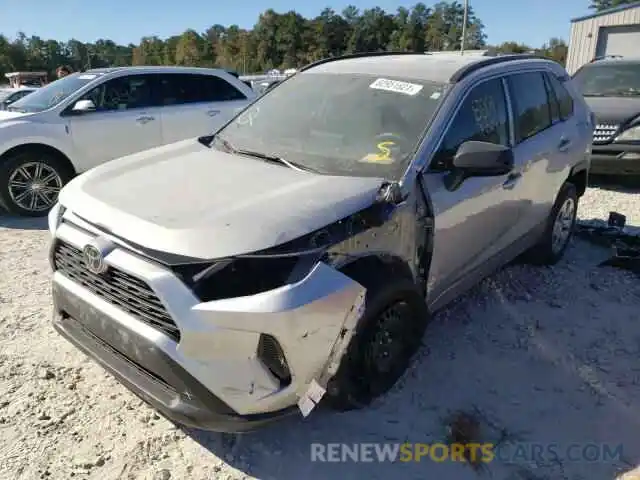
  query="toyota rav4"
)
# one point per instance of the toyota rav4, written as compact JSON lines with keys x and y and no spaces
{"x":296,"y":255}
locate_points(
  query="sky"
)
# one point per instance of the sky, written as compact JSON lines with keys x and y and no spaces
{"x":532,"y":23}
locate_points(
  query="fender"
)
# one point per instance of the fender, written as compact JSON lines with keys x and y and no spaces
{"x":582,"y":165}
{"x":22,"y":132}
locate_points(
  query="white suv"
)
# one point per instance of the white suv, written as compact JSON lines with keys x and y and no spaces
{"x":88,"y":118}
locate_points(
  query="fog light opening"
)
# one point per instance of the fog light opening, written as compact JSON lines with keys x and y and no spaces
{"x":270,"y":353}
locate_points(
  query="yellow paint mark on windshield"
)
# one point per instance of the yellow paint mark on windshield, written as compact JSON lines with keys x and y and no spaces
{"x":382,"y":156}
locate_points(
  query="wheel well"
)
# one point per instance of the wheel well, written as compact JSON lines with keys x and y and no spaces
{"x":40,"y":147}
{"x":365,"y":269}
{"x":579,"y":180}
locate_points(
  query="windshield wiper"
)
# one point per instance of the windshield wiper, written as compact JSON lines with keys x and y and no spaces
{"x":627,"y":93}
{"x":615,"y":93}
{"x":208,"y":141}
{"x":274,"y":159}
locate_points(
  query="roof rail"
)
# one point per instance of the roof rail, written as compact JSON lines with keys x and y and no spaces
{"x":487,"y":61}
{"x":357,"y":55}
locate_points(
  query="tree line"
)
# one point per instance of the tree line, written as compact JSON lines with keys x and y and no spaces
{"x":600,"y":5}
{"x":277,"y":40}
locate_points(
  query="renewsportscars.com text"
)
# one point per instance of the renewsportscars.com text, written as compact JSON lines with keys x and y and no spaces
{"x":470,"y":452}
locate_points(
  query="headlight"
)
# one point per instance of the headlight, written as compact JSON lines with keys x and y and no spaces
{"x":630,"y":135}
{"x":55,"y":217}
{"x":242,"y":277}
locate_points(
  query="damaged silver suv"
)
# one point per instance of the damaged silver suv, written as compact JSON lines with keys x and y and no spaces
{"x":298,"y":253}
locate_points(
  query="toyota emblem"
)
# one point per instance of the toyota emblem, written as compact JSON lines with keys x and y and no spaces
{"x":94,"y":259}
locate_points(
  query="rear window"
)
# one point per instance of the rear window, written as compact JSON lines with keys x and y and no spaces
{"x":608,"y":80}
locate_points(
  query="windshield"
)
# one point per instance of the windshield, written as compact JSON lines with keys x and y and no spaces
{"x":4,"y":94}
{"x":346,"y":124}
{"x":608,"y":80}
{"x":52,"y":94}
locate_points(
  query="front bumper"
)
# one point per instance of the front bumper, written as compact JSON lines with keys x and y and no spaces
{"x":212,"y":377}
{"x":615,"y":159}
{"x":184,"y":400}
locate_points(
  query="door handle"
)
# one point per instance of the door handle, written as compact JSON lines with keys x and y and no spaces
{"x":511,"y":181}
{"x":213,"y":113}
{"x":144,"y":120}
{"x":564,"y":144}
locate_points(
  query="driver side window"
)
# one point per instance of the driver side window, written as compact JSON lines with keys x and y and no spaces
{"x":123,"y":93}
{"x":481,"y":117}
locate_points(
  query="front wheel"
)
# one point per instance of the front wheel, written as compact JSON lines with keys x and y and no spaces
{"x":560,"y":225}
{"x":30,"y":183}
{"x":388,"y":334}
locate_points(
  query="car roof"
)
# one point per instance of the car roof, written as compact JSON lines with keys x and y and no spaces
{"x":153,"y":69}
{"x":444,"y":67}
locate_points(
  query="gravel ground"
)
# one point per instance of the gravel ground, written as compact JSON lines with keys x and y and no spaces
{"x":536,"y":355}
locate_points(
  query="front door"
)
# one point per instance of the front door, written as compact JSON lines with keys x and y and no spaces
{"x":125,"y":121}
{"x":473,"y":222}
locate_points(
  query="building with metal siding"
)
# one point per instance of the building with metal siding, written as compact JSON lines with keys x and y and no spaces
{"x":611,"y":32}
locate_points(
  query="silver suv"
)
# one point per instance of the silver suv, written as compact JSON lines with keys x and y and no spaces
{"x":299,"y":252}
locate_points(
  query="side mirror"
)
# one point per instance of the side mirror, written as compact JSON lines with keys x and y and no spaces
{"x":82,"y":106}
{"x":483,"y":159}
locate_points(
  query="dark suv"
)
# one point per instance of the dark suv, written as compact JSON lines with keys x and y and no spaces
{"x":611,"y":87}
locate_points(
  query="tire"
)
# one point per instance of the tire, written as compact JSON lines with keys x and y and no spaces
{"x":398,"y":304}
{"x":16,"y":169}
{"x":551,"y":246}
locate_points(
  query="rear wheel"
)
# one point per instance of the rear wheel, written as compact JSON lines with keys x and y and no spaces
{"x":30,"y":182}
{"x":388,"y":334}
{"x":560,"y":225}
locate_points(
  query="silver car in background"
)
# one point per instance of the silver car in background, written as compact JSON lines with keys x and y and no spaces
{"x":11,"y":95}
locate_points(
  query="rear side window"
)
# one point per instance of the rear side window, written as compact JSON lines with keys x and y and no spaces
{"x":19,"y":95}
{"x":481,"y":117}
{"x":562,"y":97}
{"x":177,"y":89}
{"x":532,"y":112}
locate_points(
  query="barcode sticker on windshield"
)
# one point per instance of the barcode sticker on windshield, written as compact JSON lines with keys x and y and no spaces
{"x":86,"y":77}
{"x":396,"y":86}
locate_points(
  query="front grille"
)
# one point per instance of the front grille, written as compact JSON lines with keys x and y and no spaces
{"x":126,"y":292}
{"x":604,"y":132}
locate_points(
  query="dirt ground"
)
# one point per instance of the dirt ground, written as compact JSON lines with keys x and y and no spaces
{"x":544,"y":355}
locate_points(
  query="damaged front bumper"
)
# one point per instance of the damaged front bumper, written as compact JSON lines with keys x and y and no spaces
{"x":211,"y":376}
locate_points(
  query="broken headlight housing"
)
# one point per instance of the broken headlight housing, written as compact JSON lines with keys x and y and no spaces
{"x":54,"y":217}
{"x":268,"y":269}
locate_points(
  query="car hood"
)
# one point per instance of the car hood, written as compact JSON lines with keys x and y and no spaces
{"x":6,"y":115}
{"x":615,"y":110}
{"x":189,"y":200}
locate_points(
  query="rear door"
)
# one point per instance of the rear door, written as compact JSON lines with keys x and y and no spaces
{"x":126,"y":120}
{"x":537,"y":140}
{"x":474,"y":221}
{"x":196,"y":104}
{"x":573,"y":122}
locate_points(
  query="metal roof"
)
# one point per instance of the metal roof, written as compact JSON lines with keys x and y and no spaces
{"x":607,"y":12}
{"x":25,"y":74}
